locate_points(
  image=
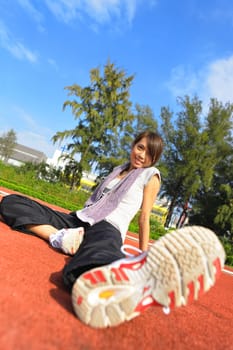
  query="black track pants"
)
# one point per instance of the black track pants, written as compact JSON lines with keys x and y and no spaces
{"x":101,"y":244}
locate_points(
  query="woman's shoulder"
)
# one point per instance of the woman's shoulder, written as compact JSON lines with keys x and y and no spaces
{"x":149,"y":172}
{"x":152,"y":170}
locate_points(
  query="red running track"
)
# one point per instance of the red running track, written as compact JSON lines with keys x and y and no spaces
{"x":36,"y":311}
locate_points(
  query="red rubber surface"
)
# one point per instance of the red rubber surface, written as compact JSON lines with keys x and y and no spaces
{"x":36,"y":311}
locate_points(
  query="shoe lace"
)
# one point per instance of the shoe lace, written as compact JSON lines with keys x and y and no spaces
{"x":132,"y":248}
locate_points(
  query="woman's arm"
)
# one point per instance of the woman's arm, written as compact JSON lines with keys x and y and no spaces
{"x":149,"y":195}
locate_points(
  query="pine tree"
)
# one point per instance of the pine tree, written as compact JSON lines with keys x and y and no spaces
{"x":101,"y":109}
{"x":213,"y":206}
{"x":188,"y":159}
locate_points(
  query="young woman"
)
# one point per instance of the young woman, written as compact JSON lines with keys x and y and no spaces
{"x":118,"y":288}
{"x":113,"y":204}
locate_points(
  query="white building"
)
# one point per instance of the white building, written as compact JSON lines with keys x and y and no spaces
{"x":56,"y":161}
{"x":23,"y":154}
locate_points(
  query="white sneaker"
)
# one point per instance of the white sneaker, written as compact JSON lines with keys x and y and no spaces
{"x":68,"y":240}
{"x":176,"y":270}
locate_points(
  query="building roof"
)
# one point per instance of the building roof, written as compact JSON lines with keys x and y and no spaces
{"x":25,"y":154}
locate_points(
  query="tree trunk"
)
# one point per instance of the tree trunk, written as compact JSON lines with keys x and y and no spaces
{"x":170,"y":212}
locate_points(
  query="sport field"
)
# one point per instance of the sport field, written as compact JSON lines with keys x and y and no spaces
{"x":36,"y":311}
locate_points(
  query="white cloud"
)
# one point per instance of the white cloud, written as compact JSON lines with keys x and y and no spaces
{"x":183,"y":81}
{"x":131,"y":9}
{"x":215,"y":80}
{"x":63,"y":10}
{"x":98,"y":12}
{"x":101,"y":11}
{"x":219,"y":79}
{"x":14,"y":46}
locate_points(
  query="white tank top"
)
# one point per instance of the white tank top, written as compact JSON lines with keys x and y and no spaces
{"x":131,"y":202}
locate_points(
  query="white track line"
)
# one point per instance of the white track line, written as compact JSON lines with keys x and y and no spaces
{"x":132,"y":238}
{"x":4,"y":193}
{"x":135,"y":239}
{"x":228,"y":272}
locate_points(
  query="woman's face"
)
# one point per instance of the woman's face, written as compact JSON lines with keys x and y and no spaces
{"x":139,"y":156}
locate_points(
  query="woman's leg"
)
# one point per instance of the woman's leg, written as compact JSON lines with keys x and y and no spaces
{"x":62,"y":230}
{"x":20,"y":213}
{"x":101,"y":246}
{"x":42,"y":231}
{"x":66,"y":239}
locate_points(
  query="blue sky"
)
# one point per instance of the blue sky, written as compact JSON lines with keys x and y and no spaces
{"x":173,"y":48}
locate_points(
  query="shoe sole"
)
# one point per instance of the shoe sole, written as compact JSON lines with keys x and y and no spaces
{"x":177,"y":269}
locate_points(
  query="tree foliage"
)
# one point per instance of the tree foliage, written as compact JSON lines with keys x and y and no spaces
{"x":101,"y":109}
{"x":183,"y":152}
{"x":142,"y":119}
{"x":213,"y":206}
{"x":106,"y":124}
{"x":42,"y":171}
{"x":7,"y":144}
{"x":197,"y":156}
